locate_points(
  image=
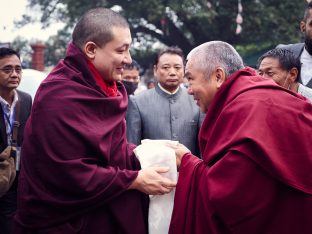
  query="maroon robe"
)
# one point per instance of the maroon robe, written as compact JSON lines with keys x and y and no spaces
{"x":77,"y":164}
{"x":255,"y":176}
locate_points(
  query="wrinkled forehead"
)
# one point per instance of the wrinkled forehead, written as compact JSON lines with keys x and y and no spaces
{"x":191,"y":68}
{"x":269,"y":63}
{"x":188,"y":65}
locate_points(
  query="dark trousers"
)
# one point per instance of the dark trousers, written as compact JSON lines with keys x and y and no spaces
{"x":7,"y":210}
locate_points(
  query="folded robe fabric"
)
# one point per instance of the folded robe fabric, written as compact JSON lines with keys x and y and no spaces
{"x":255,"y":176}
{"x":76,"y":163}
{"x":155,"y":153}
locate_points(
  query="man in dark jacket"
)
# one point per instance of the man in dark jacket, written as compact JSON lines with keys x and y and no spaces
{"x":304,"y":50}
{"x":10,"y":77}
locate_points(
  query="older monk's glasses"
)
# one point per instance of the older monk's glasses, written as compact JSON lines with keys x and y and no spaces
{"x":9,"y":70}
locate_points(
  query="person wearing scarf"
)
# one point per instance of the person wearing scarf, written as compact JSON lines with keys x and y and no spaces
{"x":79,"y":174}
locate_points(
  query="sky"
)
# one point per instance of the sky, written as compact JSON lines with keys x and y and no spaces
{"x":12,"y":10}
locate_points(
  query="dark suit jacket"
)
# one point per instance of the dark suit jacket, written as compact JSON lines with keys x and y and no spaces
{"x":25,"y":107}
{"x":8,"y":201}
{"x":296,"y":49}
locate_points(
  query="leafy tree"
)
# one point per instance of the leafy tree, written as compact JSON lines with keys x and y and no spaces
{"x":56,"y":47}
{"x":22,"y":46}
{"x":188,"y":23}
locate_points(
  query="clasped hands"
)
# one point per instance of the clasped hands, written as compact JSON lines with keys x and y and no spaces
{"x":151,"y":181}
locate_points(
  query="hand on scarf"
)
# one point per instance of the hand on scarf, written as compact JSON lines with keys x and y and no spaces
{"x":150,"y":181}
{"x":180,"y":151}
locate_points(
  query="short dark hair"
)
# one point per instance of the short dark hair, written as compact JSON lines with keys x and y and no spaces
{"x":4,"y":52}
{"x":133,"y":65}
{"x":169,"y":50}
{"x":286,"y":58}
{"x":307,"y":11}
{"x":96,"y":25}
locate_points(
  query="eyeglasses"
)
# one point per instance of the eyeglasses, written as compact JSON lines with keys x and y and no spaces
{"x":9,"y":70}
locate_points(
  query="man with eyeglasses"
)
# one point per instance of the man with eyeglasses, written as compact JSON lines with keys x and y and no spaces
{"x":10,"y":77}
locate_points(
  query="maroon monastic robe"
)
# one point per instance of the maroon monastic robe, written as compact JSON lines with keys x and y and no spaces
{"x":77,"y":164}
{"x":255,"y":176}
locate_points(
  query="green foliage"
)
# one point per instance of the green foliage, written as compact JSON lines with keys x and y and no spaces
{"x":22,"y":46}
{"x":56,"y":47}
{"x":188,"y":23}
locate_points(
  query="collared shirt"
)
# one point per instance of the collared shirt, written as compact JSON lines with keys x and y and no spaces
{"x":305,"y":91}
{"x":306,"y":64}
{"x":166,"y":91}
{"x":8,"y":115}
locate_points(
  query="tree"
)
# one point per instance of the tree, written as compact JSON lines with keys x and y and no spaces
{"x":56,"y":47}
{"x":188,"y":23}
{"x":22,"y":46}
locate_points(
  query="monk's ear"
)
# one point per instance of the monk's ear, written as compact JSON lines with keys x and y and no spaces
{"x":89,"y":50}
{"x":220,"y":76}
{"x":302,"y":26}
{"x":293,"y":74}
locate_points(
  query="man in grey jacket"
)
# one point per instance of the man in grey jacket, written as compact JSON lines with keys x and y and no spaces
{"x":166,"y":111}
{"x":304,"y":50}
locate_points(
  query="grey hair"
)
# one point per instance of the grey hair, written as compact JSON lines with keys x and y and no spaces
{"x":96,"y":26}
{"x":210,"y":55}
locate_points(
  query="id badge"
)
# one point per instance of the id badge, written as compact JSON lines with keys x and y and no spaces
{"x":18,"y":158}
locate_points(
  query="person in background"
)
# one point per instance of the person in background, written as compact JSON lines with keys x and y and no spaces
{"x":131,"y":77}
{"x":284,"y":68}
{"x":303,"y":51}
{"x":256,"y":149}
{"x":150,"y":84}
{"x":11,"y":99}
{"x":167,"y":111}
{"x":79,"y":174}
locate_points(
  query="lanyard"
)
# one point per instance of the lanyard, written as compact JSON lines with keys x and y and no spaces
{"x":10,"y":123}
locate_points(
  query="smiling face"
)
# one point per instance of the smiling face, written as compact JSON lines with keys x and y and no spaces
{"x":169,"y":71}
{"x":202,"y":89}
{"x":10,"y":79}
{"x":110,"y":58}
{"x":270,"y":68}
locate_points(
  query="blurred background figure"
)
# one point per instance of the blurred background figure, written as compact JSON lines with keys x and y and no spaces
{"x":131,"y":77}
{"x":150,"y":84}
{"x":283,"y":67}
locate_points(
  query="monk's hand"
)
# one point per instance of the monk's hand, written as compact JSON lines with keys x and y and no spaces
{"x":151,"y":181}
{"x":180,"y":151}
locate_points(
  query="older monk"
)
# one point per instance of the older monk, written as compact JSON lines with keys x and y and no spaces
{"x":256,"y":147}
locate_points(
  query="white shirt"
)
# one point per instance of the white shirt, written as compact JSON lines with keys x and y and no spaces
{"x":306,"y":64}
{"x":305,"y":91}
{"x":8,"y":114}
